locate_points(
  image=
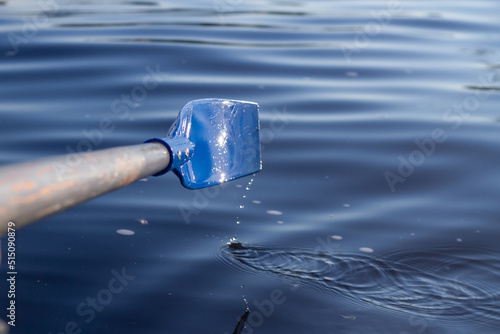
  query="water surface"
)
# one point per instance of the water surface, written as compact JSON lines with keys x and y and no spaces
{"x":380,"y":127}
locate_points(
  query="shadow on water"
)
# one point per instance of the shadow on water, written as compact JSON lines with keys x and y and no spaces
{"x":445,"y":283}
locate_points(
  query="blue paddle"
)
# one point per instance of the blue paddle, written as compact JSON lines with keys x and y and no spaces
{"x":211,"y":142}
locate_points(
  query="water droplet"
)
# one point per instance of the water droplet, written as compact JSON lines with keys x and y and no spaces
{"x":350,"y":317}
{"x":125,"y":232}
{"x":249,"y":184}
{"x":238,"y":222}
{"x":244,"y":196}
{"x":142,"y":221}
{"x":242,"y":206}
{"x":246,"y":301}
{"x":366,"y":250}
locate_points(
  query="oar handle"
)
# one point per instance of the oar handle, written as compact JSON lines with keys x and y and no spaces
{"x":30,"y":191}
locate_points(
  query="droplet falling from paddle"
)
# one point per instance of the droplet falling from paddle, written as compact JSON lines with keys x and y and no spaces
{"x":249,"y":186}
{"x":244,"y":298}
{"x":242,"y":205}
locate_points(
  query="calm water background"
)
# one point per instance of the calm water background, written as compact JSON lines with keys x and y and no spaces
{"x":380,"y":127}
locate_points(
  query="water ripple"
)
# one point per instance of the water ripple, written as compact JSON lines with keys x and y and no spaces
{"x":442,"y":283}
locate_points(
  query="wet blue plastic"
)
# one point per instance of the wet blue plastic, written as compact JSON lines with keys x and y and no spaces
{"x":214,"y":141}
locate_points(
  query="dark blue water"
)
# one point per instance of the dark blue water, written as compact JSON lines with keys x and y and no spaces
{"x":377,"y":206}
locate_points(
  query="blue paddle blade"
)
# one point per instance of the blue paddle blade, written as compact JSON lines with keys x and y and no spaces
{"x":214,"y":141}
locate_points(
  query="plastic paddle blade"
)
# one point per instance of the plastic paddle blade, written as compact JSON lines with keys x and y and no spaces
{"x":225,"y":134}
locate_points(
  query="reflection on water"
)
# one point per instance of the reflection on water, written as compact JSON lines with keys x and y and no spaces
{"x":444,"y":283}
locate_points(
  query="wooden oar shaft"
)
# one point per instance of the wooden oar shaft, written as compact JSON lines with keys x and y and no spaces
{"x":30,"y":191}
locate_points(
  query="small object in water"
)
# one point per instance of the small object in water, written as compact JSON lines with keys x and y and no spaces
{"x":234,"y":243}
{"x":350,"y":317}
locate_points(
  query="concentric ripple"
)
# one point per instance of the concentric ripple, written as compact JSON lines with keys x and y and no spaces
{"x":443,"y":283}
